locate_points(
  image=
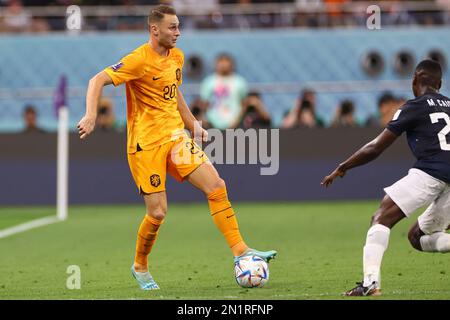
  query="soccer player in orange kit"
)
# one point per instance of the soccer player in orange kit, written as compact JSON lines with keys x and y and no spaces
{"x":156,"y":141}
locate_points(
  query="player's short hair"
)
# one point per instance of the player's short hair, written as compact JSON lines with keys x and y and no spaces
{"x":429,"y":73}
{"x":157,"y":14}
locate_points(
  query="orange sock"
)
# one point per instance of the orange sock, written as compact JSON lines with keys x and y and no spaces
{"x":148,"y":231}
{"x":224,"y":218}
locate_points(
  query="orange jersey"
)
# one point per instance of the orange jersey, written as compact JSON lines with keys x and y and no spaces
{"x":151,"y":87}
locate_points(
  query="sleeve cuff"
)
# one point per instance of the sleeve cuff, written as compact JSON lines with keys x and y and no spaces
{"x":112,"y":76}
{"x":394,"y":131}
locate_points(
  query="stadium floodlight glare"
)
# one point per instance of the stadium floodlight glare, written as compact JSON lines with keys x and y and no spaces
{"x":62,"y":189}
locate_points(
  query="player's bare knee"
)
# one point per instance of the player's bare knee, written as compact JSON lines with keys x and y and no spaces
{"x":220,"y":184}
{"x":157,"y":211}
{"x":414,"y":236}
{"x":383,"y":218}
{"x":217,"y":184}
{"x":377,"y":217}
{"x":388,"y":214}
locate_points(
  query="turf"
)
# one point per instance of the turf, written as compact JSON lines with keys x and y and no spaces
{"x":319,"y":245}
{"x":12,"y":216}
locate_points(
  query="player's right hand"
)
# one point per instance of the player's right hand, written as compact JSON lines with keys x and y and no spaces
{"x":329,"y":179}
{"x":86,"y":126}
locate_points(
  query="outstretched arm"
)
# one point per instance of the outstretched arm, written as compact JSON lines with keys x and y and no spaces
{"x":189,"y":120}
{"x":94,"y":91}
{"x":364,"y":155}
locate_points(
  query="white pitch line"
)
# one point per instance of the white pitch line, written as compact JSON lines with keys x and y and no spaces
{"x":28,"y":225}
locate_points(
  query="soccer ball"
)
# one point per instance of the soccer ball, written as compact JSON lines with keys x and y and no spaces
{"x":251,"y":272}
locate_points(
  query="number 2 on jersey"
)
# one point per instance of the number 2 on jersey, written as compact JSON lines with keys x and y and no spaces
{"x":169,"y":91}
{"x":446,"y":130}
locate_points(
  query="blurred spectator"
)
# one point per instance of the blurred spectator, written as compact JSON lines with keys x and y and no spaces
{"x":306,"y":116}
{"x":16,"y":18}
{"x":400,"y":101}
{"x":335,"y":12}
{"x":30,"y":120}
{"x":398,"y":15}
{"x":106,"y":120}
{"x":242,"y":14}
{"x":202,"y":13}
{"x":223,"y":93}
{"x":255,"y":113}
{"x":193,"y":7}
{"x":387,"y":106}
{"x":304,"y":112}
{"x":39,"y":25}
{"x":444,"y":5}
{"x":307,"y":19}
{"x":199,"y":112}
{"x":344,"y":116}
{"x":245,"y":19}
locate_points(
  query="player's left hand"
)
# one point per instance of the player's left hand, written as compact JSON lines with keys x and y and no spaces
{"x":329,"y":179}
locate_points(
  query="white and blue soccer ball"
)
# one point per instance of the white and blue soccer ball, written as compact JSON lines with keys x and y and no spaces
{"x":251,"y":272}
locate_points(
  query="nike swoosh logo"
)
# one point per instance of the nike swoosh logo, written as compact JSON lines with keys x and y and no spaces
{"x":156,"y":78}
{"x":230,"y":216}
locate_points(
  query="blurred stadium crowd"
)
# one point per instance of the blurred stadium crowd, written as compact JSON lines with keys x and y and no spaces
{"x":253,"y":114}
{"x":49,"y":15}
{"x":225,"y":102}
{"x":225,"y":99}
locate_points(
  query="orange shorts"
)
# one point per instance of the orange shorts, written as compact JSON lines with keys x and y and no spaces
{"x":180,"y":158}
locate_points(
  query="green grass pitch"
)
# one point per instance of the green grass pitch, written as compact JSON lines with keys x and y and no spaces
{"x":319,"y":254}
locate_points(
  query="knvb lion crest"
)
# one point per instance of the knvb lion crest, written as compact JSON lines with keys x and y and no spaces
{"x":155,"y":180}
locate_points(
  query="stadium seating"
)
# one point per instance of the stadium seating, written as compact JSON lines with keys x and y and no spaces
{"x":279,"y":62}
